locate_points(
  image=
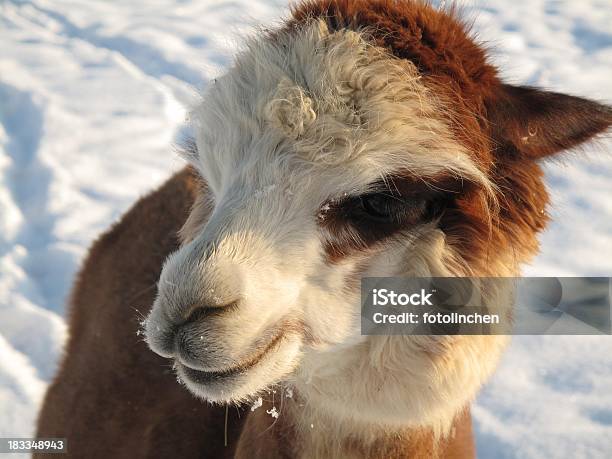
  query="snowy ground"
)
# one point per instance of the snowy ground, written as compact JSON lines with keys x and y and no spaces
{"x":91,"y":96}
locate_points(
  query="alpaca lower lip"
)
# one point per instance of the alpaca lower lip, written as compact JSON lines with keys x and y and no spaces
{"x":207,"y":377}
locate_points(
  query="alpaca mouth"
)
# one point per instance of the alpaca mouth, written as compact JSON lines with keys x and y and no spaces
{"x":205,"y":377}
{"x":208,"y":377}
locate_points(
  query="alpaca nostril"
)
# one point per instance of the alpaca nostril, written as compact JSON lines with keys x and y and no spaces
{"x":197,"y":313}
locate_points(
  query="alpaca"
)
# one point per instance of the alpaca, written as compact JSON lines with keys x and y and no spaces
{"x":360,"y":138}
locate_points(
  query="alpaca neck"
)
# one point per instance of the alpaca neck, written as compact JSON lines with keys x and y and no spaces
{"x":302,"y":433}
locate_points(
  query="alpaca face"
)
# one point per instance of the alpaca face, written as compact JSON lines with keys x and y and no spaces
{"x":321,"y":169}
{"x":326,"y":160}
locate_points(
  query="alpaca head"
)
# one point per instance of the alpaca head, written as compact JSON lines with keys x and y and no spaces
{"x":346,"y":145}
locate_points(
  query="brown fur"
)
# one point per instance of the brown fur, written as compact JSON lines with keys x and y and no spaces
{"x":500,"y":124}
{"x":114,"y":398}
{"x":264,"y":437}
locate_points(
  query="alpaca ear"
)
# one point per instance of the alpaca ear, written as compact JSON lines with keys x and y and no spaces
{"x":536,"y":123}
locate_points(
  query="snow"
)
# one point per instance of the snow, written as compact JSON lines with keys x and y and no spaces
{"x":273,"y":412}
{"x":92,"y":96}
{"x":257,"y":404}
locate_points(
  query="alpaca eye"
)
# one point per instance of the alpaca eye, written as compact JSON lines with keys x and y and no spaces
{"x":379,"y":205}
{"x":387,"y":208}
